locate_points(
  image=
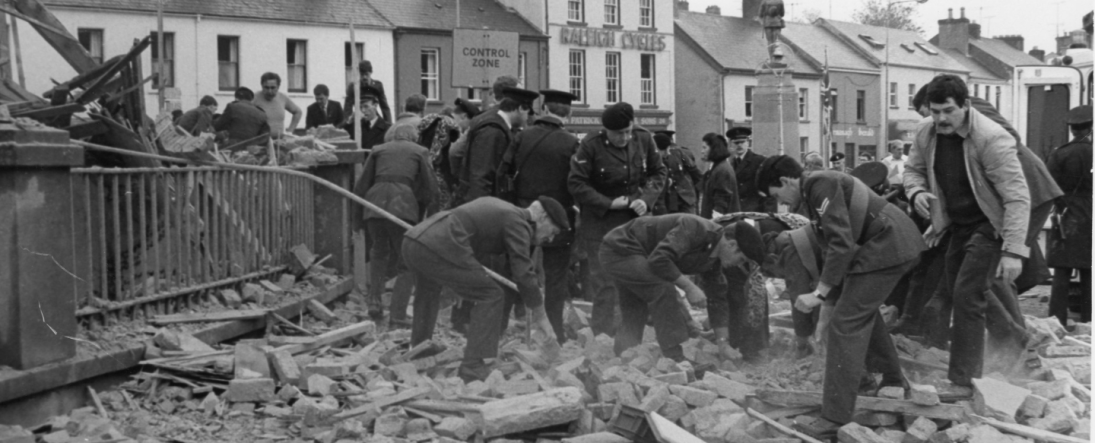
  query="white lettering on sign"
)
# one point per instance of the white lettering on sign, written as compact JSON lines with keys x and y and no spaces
{"x":480,"y":56}
{"x":641,"y":41}
{"x":868,"y":132}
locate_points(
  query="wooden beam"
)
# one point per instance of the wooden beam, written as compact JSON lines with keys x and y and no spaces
{"x":98,"y":87}
{"x":331,"y":337}
{"x":1029,"y":432}
{"x":54,"y":33}
{"x":407,"y":395}
{"x":209,"y":317}
{"x":86,"y":129}
{"x":52,"y":111}
{"x":531,"y":411}
{"x":804,"y":398}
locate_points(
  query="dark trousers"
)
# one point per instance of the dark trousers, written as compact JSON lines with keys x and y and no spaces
{"x":601,"y":292}
{"x":470,"y":282}
{"x":385,"y":243}
{"x":640,"y":294}
{"x":805,"y":323}
{"x":923,"y":281}
{"x":1059,"y":299}
{"x":858,"y":334}
{"x":556,"y":269}
{"x":973,"y":255}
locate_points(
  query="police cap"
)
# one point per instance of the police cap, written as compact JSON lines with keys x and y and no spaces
{"x":739,"y":133}
{"x":365,"y":66}
{"x":554,"y":96}
{"x":467,"y":107}
{"x":522,"y":96}
{"x":749,"y":240}
{"x":837,"y":157}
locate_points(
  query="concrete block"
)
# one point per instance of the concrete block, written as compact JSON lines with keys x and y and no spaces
{"x":673,"y":378}
{"x":997,"y":399}
{"x":892,"y":435}
{"x":321,"y":410}
{"x":285,"y":367}
{"x":253,"y":293}
{"x":390,"y":425}
{"x":1033,"y":406}
{"x":655,"y":398}
{"x":924,"y":395}
{"x":726,"y":387}
{"x":920,"y":431}
{"x":692,"y":396}
{"x":288,"y":393}
{"x":286,"y":281}
{"x":674,"y":408}
{"x":894,"y":392}
{"x":856,"y":433}
{"x":321,"y":312}
{"x":250,"y":390}
{"x":620,"y":392}
{"x":954,"y":434}
{"x":320,"y":385}
{"x":231,"y":298}
{"x":1051,"y":390}
{"x":874,"y":419}
{"x":15,"y":434}
{"x":456,"y":427}
{"x":250,"y":359}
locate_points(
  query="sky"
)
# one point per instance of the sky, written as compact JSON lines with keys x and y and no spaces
{"x":1038,"y":21}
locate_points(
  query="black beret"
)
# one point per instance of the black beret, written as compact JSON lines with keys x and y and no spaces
{"x":749,"y":240}
{"x":555,"y":211}
{"x":522,"y":96}
{"x":617,"y":116}
{"x":663,"y":141}
{"x":554,"y":96}
{"x":739,"y":133}
{"x":1079,"y":115}
{"x":467,"y":107}
{"x":836,"y":157}
{"x":871,"y":173}
{"x":365,"y":66}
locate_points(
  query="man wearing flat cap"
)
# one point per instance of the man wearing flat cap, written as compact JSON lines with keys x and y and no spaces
{"x":616,"y":176}
{"x":365,"y":69}
{"x":446,"y":250}
{"x":487,"y":141}
{"x":682,"y":177}
{"x":1070,"y":240}
{"x":373,"y":126}
{"x":745,"y":163}
{"x":649,"y":258}
{"x":537,"y":164}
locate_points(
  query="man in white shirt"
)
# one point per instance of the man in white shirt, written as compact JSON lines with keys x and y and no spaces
{"x":895,"y":163}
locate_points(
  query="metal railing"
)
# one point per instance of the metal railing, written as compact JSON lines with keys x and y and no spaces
{"x":158,"y":239}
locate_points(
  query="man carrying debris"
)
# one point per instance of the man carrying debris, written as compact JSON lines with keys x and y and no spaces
{"x":397,"y":178}
{"x":200,"y":119}
{"x":242,"y":120}
{"x":649,"y":258}
{"x":868,"y":245}
{"x":447,"y":249}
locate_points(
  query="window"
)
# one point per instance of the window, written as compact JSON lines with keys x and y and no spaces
{"x":168,"y":59}
{"x":612,"y":77}
{"x":522,"y":68}
{"x":748,"y":102}
{"x":429,"y":73}
{"x":612,"y":12}
{"x":646,"y":80}
{"x":578,"y":75}
{"x":833,"y":102}
{"x":228,"y":63}
{"x":997,"y":98}
{"x":351,"y":70}
{"x":803,"y":96}
{"x":875,"y":44}
{"x":296,"y":55}
{"x":893,"y":95}
{"x":926,"y":49}
{"x":912,"y":95}
{"x":861,"y":106}
{"x":646,"y":13}
{"x":474,"y":94}
{"x":576,"y":10}
{"x":804,"y":144}
{"x":977,"y":91}
{"x":92,"y":40}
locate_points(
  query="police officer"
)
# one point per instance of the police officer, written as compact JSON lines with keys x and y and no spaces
{"x":868,"y":245}
{"x":683,"y":176}
{"x":1070,"y":240}
{"x":373,"y":125}
{"x":745,"y":163}
{"x":616,"y":175}
{"x":537,"y":164}
{"x":375,"y":87}
{"x":487,"y":140}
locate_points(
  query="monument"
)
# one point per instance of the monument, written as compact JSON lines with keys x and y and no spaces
{"x":775,"y":102}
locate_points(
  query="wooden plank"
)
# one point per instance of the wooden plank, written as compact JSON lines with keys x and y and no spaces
{"x":803,"y":398}
{"x":98,"y":88}
{"x":442,"y":406}
{"x":54,"y":33}
{"x":1029,"y":432}
{"x":407,"y":395}
{"x":780,"y":427}
{"x":86,"y":129}
{"x":51,"y":111}
{"x":331,"y":337}
{"x":209,"y":317}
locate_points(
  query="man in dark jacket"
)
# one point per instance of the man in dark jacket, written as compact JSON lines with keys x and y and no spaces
{"x":616,"y":175}
{"x":1070,"y":240}
{"x":200,"y":119}
{"x":745,"y":163}
{"x":446,"y":250}
{"x":397,"y":178}
{"x":682,"y":179}
{"x":324,"y":111}
{"x":376,"y":89}
{"x":488,"y":138}
{"x":373,"y":127}
{"x":242,"y":120}
{"x":649,"y":258}
{"x":869,"y":244}
{"x":538,"y":162}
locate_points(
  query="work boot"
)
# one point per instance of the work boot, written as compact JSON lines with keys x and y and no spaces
{"x":675,"y":353}
{"x":907,"y":326}
{"x":399,"y":323}
{"x":803,"y":348}
{"x":817,"y":427}
{"x":474,"y":370}
{"x":868,"y":386}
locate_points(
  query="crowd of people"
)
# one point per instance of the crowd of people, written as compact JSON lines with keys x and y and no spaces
{"x":946,"y":232}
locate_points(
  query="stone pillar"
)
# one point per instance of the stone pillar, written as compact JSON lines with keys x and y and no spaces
{"x":39,"y":248}
{"x":773,"y":89}
{"x":333,"y":225}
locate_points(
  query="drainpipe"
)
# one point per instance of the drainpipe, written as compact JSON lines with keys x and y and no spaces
{"x":197,"y":21}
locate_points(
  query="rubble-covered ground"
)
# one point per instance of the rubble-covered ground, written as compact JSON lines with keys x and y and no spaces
{"x":335,"y":376}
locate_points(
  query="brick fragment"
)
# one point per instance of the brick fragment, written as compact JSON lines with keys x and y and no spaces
{"x":655,"y":398}
{"x":997,"y":399}
{"x":320,"y":385}
{"x":674,"y":408}
{"x":920,"y":431}
{"x":894,"y":392}
{"x":250,"y":390}
{"x":954,"y":434}
{"x":726,"y":387}
{"x":673,"y":378}
{"x":390,"y":425}
{"x":924,"y":395}
{"x":856,"y":433}
{"x":285,"y":367}
{"x":1051,"y":390}
{"x":456,"y":427}
{"x":321,"y":312}
{"x":1033,"y":406}
{"x":692,"y":396}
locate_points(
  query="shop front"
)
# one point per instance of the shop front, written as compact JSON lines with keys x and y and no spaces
{"x":854,"y":140}
{"x":588,"y":121}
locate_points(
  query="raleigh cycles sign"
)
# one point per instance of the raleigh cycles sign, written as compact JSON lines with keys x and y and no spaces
{"x":642,"y":41}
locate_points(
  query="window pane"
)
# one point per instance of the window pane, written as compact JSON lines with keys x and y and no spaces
{"x":748,"y":101}
{"x":646,"y":79}
{"x":575,"y":10}
{"x":429,"y":73}
{"x":297,"y":57}
{"x":802,"y":103}
{"x":228,"y":62}
{"x":611,"y":12}
{"x":578,"y":74}
{"x":612,"y":77}
{"x":646,"y":13}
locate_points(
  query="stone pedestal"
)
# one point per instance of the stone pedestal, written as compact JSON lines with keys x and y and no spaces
{"x":773,"y":89}
{"x":333,"y":225}
{"x":38,"y":251}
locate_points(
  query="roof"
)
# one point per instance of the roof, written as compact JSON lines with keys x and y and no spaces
{"x":977,"y":70}
{"x":1004,"y":52}
{"x":441,"y":15}
{"x":815,"y":42}
{"x":748,"y":51}
{"x":907,"y":48}
{"x":315,"y":11}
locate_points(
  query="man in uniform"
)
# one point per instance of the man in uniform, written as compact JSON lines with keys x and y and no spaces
{"x":365,"y":68}
{"x":837,"y":162}
{"x":538,"y":162}
{"x":1070,"y":240}
{"x":616,"y":175}
{"x":487,"y":140}
{"x":447,"y":250}
{"x":373,"y":126}
{"x":682,"y":177}
{"x":745,"y":163}
{"x":868,"y":245}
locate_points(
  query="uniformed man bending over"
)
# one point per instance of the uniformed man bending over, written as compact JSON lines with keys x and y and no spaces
{"x":868,"y":245}
{"x":648,"y":256}
{"x":445,"y":250}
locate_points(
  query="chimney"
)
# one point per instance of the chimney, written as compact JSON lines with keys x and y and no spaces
{"x":1039,"y":54}
{"x":1015,"y":41}
{"x":963,"y":9}
{"x":750,"y":8}
{"x":975,"y":30}
{"x":714,"y":10}
{"x":682,"y":5}
{"x":954,"y":33}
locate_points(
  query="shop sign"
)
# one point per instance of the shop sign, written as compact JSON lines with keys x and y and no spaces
{"x":642,"y":41}
{"x":848,"y":132}
{"x":596,"y":121}
{"x":480,"y":56}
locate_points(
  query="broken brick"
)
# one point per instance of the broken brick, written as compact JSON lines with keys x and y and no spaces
{"x":997,"y":399}
{"x":456,"y":427}
{"x":1033,"y":406}
{"x":1051,"y":390}
{"x":954,"y":434}
{"x":727,"y":388}
{"x":674,"y":408}
{"x":321,"y":312}
{"x":655,"y":399}
{"x":924,"y":395}
{"x":285,"y":367}
{"x":250,"y":390}
{"x":692,"y":396}
{"x":893,"y":392}
{"x":320,"y":385}
{"x":856,"y":433}
{"x":920,"y":431}
{"x":390,"y":425}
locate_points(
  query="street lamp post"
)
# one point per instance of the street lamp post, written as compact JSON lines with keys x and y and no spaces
{"x":885,"y":126}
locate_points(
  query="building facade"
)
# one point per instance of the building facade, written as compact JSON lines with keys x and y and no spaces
{"x":212,"y":48}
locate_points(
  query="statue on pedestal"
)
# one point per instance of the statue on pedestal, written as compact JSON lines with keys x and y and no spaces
{"x":771,"y":17}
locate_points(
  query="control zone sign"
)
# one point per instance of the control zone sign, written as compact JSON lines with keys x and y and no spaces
{"x":481,"y":56}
